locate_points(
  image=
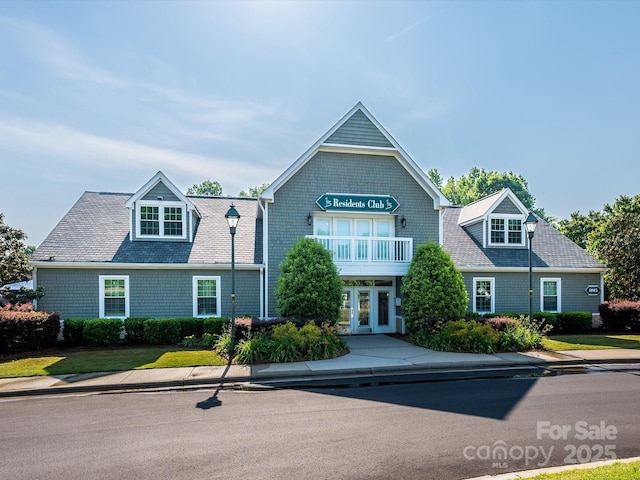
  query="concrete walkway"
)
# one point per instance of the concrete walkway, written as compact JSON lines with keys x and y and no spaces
{"x":369,"y":355}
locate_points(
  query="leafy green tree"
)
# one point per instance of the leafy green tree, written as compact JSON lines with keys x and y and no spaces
{"x":433,"y":288}
{"x":309,"y":285}
{"x":254,"y":191}
{"x":14,"y":262}
{"x":206,"y":188}
{"x":480,"y":183}
{"x":620,"y":251}
{"x":435,"y":177}
{"x":578,"y":227}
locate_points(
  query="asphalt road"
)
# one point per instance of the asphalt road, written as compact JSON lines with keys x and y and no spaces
{"x":441,"y":430}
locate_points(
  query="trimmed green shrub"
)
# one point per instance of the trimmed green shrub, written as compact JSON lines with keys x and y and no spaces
{"x":432,"y":289}
{"x":215,"y":325}
{"x":72,"y":331}
{"x":102,"y":331}
{"x":573,"y":322}
{"x":191,"y":326}
{"x":134,"y":329}
{"x":620,"y":316}
{"x":309,"y":285}
{"x":162,"y":331}
{"x":23,"y":329}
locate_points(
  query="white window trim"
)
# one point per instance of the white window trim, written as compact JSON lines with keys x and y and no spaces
{"x":506,"y":218}
{"x":492,"y":280}
{"x":372,"y":219}
{"x":161,"y":206}
{"x":102,"y":278}
{"x":559,"y":294}
{"x":195,"y":295}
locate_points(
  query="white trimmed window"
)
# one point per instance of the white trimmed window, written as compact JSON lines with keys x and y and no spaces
{"x":206,"y":296}
{"x":550,"y":295}
{"x":158,"y":219}
{"x":484,"y":295}
{"x":505,"y":230}
{"x":114,"y":296}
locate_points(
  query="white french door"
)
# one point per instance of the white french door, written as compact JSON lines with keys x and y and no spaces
{"x":366,"y":309}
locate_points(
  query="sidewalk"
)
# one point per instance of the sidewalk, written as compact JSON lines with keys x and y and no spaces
{"x":369,"y":355}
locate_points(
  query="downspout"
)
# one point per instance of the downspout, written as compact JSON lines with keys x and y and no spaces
{"x":34,"y":277}
{"x":264,"y":290}
{"x":261,"y":292}
{"x":440,"y":226}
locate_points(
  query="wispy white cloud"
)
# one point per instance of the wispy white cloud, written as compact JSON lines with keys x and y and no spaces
{"x":53,"y":51}
{"x":407,"y":29}
{"x":84,"y":152}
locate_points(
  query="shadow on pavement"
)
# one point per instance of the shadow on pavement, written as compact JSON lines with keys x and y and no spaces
{"x":214,"y":401}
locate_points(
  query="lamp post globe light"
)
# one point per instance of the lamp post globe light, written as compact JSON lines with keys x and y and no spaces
{"x":530,"y":225}
{"x":233,"y":217}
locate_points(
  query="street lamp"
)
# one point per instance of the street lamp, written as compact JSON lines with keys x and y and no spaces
{"x":233,"y":217}
{"x":530,"y":224}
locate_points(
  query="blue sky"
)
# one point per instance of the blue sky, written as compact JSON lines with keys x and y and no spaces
{"x":99,"y":96}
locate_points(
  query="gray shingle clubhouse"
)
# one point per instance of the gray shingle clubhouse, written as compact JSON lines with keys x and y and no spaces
{"x":160,"y":253}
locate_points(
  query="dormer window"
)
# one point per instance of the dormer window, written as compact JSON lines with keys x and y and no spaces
{"x":505,"y":230}
{"x":161,"y":220}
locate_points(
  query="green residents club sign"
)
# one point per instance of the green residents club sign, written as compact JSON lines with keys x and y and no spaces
{"x":356,"y":202}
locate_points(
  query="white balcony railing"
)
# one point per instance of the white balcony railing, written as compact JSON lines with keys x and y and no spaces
{"x":368,"y":249}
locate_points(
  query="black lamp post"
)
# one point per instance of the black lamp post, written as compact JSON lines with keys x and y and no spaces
{"x":233,"y":217}
{"x":530,"y":224}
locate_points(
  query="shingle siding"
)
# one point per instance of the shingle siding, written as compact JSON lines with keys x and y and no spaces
{"x":359,"y":130}
{"x":161,"y":190}
{"x":74,"y":292}
{"x":344,"y":173}
{"x":512,"y":290}
{"x":507,"y":207}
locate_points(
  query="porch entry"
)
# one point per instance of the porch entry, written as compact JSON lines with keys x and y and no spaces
{"x":367,"y":306}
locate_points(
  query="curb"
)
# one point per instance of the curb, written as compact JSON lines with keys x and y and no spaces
{"x":441,"y":372}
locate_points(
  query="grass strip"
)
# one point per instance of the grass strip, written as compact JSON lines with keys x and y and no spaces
{"x":616,"y":471}
{"x":109,"y":360}
{"x":590,"y":342}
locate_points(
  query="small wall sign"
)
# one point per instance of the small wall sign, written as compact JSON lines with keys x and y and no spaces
{"x":357,"y":202}
{"x":592,"y":290}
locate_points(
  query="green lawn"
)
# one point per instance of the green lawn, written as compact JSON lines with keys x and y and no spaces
{"x":617,"y":471}
{"x":109,"y":360}
{"x":590,"y":342}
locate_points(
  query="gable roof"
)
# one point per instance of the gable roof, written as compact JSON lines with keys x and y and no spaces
{"x":480,"y":209}
{"x":153,"y":182}
{"x":96,"y":230}
{"x":550,"y":249}
{"x":359,"y":132}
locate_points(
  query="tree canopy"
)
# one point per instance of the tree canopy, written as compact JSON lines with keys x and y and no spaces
{"x":480,"y":183}
{"x":14,"y":261}
{"x":206,"y":188}
{"x":254,"y":191}
{"x":613,"y":237}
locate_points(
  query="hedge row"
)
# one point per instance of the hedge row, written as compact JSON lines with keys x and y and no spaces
{"x":562,"y":322}
{"x":156,"y":331}
{"x":620,"y":316}
{"x":24,"y":330}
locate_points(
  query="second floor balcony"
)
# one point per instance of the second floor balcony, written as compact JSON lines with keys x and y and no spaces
{"x":369,"y":255}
